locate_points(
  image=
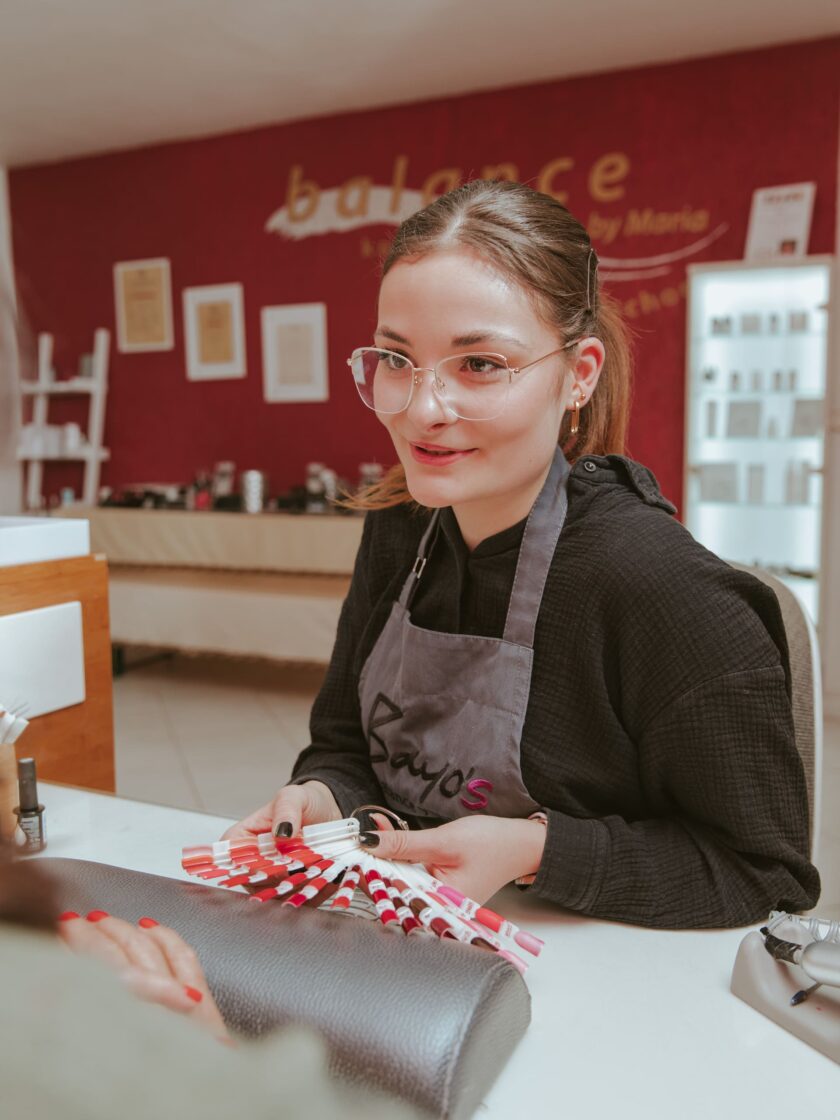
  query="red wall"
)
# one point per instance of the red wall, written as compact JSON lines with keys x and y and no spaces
{"x":698,"y":137}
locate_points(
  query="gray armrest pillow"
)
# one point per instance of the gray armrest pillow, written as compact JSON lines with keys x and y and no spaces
{"x":430,"y":1021}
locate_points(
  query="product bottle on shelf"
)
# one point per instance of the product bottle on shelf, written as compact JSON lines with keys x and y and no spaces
{"x":316,"y":491}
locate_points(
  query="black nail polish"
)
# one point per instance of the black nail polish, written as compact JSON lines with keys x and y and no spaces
{"x":369,"y":839}
{"x":283,"y":830}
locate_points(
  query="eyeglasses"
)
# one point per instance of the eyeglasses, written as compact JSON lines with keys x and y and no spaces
{"x":473,"y":386}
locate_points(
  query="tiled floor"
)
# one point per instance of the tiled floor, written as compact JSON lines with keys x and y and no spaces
{"x":220,"y":736}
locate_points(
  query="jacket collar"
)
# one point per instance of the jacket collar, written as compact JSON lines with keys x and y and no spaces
{"x":619,"y":470}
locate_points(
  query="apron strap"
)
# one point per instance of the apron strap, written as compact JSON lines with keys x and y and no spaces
{"x":427,"y":543}
{"x":542,"y":530}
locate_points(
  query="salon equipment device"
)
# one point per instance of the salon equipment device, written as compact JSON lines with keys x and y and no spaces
{"x":790,"y":972}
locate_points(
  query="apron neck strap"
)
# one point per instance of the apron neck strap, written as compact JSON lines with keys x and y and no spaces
{"x":427,"y":543}
{"x":542,"y":530}
{"x":536,"y":552}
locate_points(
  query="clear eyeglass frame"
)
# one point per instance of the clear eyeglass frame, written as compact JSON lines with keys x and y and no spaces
{"x":438,"y":384}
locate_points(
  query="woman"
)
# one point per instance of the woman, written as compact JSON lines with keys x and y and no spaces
{"x":536,"y":664}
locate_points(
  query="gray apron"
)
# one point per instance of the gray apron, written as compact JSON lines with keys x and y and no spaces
{"x":443,"y":713}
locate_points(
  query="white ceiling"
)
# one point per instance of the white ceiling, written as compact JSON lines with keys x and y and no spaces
{"x":81,"y":76}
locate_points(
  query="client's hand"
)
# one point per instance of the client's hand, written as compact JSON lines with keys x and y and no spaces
{"x":476,"y":855}
{"x":155,"y":963}
{"x":292,"y":808}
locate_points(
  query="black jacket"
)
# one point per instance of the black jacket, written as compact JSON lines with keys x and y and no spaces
{"x":658,"y":735}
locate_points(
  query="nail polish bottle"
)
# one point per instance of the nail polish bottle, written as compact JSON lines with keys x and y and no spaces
{"x":29,"y":813}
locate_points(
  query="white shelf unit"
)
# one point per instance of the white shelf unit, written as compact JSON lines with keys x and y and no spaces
{"x":758,"y":414}
{"x":90,"y":452}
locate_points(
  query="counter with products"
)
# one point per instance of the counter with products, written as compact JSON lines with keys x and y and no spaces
{"x":250,"y":585}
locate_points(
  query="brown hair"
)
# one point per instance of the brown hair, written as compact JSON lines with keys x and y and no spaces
{"x":533,"y":240}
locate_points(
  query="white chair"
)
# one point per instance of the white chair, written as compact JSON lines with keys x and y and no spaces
{"x":806,"y":691}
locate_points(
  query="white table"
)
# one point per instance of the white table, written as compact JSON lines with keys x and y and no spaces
{"x":628,"y":1024}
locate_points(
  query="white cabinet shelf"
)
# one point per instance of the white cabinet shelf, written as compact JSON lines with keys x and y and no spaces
{"x":69,"y":386}
{"x":81,"y":455}
{"x":42,"y":443}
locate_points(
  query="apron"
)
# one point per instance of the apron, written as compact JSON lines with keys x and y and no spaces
{"x":443,"y":713}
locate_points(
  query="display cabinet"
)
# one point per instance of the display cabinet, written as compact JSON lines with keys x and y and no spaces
{"x":757,"y":416}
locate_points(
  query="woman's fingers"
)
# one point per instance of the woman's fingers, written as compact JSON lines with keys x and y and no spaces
{"x":292,"y":808}
{"x":181,"y":960}
{"x":287,"y":812}
{"x":83,"y":935}
{"x":296,"y":806}
{"x":187,"y":971}
{"x":186,"y":977}
{"x":383,"y":823}
{"x":423,"y":846}
{"x":154,"y":962}
{"x":140,"y":950}
{"x":156,"y":987}
{"x":256,"y":822}
{"x":169,"y":992}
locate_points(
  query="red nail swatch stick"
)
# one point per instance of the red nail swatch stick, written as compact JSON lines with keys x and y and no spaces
{"x":222,"y":851}
{"x":431,"y":917}
{"x":330,"y":872}
{"x":284,"y":888}
{"x":409,"y":923}
{"x":378,"y":892}
{"x":294,"y":881}
{"x":344,"y":895}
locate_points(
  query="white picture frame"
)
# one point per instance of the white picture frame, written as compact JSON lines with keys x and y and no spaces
{"x":214,"y":332}
{"x":294,"y":352}
{"x":143,"y":300}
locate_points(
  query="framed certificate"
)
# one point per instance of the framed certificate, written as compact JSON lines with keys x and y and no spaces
{"x":294,"y":347}
{"x":214,"y":331}
{"x":143,"y":295}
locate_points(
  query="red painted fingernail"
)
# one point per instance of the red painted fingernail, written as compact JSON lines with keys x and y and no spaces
{"x":148,"y":923}
{"x":97,"y":915}
{"x":194,"y":993}
{"x":67,"y":916}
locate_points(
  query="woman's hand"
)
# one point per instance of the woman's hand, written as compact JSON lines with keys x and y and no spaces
{"x":154,"y":962}
{"x":292,"y":808}
{"x":476,"y":855}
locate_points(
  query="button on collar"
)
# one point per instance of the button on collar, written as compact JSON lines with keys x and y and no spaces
{"x":588,"y":465}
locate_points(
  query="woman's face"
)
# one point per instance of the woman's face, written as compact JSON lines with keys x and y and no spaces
{"x":428,"y":307}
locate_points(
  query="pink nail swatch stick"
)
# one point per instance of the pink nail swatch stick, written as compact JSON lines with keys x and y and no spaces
{"x":491,"y":919}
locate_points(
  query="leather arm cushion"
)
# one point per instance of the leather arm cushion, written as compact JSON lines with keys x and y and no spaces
{"x":430,"y":1021}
